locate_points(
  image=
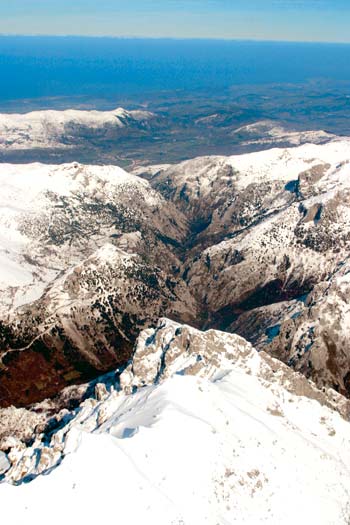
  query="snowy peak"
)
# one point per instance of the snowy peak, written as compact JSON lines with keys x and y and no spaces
{"x":247,"y":431}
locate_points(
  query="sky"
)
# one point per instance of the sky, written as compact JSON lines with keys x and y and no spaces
{"x":295,"y":20}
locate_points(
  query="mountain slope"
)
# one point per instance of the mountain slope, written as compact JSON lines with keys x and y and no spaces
{"x":87,"y":257}
{"x":85,"y":324}
{"x":268,"y":229}
{"x":55,"y":216}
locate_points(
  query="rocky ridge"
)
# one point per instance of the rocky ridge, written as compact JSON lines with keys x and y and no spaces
{"x":262,"y":427}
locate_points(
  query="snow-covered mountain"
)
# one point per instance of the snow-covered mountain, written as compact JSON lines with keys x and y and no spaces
{"x":53,"y":217}
{"x":61,"y":129}
{"x":195,"y":427}
{"x":199,"y":428}
{"x":255,"y":244}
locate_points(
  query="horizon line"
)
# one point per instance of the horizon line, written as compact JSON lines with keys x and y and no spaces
{"x":174,"y":38}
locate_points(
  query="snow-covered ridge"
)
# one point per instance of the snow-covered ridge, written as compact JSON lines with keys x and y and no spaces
{"x":275,"y":164}
{"x":49,"y":128}
{"x":213,"y":432}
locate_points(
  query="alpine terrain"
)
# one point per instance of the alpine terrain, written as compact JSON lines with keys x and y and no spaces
{"x":174,"y":340}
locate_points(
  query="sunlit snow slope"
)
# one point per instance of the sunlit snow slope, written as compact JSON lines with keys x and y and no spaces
{"x":213,"y":433}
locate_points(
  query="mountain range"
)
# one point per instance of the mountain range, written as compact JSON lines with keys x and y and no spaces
{"x":255,"y":244}
{"x":160,"y":130}
{"x":144,"y":312}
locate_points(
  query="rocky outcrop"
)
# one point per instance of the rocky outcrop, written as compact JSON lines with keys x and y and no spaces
{"x":172,"y":348}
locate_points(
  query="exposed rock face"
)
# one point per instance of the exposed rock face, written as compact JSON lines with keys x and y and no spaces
{"x":18,"y":426}
{"x":172,"y":348}
{"x":315,"y":341}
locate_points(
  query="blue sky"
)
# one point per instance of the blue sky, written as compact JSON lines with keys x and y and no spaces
{"x":302,"y":20}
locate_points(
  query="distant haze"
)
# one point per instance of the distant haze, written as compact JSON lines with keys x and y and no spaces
{"x":296,"y":20}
